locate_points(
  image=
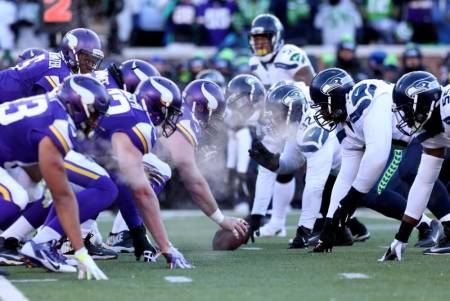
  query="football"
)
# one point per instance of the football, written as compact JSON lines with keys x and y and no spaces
{"x":224,"y":240}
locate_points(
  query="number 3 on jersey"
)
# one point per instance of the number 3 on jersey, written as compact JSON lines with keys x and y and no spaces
{"x":14,"y":111}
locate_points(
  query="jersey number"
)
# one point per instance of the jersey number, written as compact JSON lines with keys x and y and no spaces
{"x":57,"y":11}
{"x":28,"y":62}
{"x":17,"y":110}
{"x":121,"y":103}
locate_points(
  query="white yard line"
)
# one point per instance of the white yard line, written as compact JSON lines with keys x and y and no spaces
{"x":178,"y":279}
{"x":33,"y":280}
{"x":9,"y":292}
{"x":354,"y":275}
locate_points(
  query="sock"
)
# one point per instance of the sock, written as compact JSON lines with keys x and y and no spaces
{"x":20,"y":229}
{"x":86,"y":227}
{"x":9,"y":213}
{"x":263,"y":191}
{"x":283,"y":193}
{"x":47,"y":234}
{"x":119,"y":224}
{"x":90,"y":226}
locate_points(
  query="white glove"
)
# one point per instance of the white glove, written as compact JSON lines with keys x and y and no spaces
{"x":175,"y":259}
{"x":395,"y":251}
{"x":87,"y":266}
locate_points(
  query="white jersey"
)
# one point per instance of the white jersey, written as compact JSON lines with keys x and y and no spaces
{"x":443,"y":138}
{"x":284,"y":66}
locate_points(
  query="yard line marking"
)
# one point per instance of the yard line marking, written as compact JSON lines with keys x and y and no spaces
{"x":10,"y":292}
{"x":33,"y":280}
{"x":354,"y":275}
{"x":178,"y":279}
{"x":251,"y":248}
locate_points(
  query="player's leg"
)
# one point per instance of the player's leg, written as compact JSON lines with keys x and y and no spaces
{"x":244,"y":142}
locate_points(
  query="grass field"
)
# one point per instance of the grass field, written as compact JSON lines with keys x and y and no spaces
{"x":270,"y":273}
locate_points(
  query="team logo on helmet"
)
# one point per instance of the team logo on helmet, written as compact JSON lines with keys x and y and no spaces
{"x":334,"y":82}
{"x":72,"y":40}
{"x":291,"y":97}
{"x":166,"y":95}
{"x":212,"y":101}
{"x":420,"y":86}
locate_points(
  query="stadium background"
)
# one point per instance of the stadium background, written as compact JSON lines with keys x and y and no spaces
{"x":368,"y":38}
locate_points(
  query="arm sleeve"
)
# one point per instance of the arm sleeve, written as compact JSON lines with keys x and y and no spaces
{"x":378,"y":140}
{"x":291,"y":159}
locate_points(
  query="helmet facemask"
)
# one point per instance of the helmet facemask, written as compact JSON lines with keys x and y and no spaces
{"x":171,"y":117}
{"x":327,"y":117}
{"x":409,"y":121}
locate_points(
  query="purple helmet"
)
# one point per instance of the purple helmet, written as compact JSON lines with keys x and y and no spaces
{"x":81,"y":49}
{"x":161,"y":98}
{"x":30,"y":53}
{"x":205,"y":99}
{"x":134,"y":71}
{"x":84,"y":98}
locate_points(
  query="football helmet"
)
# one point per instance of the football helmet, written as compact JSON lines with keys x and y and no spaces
{"x":266,"y":25}
{"x":415,"y":95}
{"x":161,"y":98}
{"x":84,"y":98}
{"x":328,"y":91}
{"x":132,"y":72}
{"x":244,"y":91}
{"x":81,"y":49}
{"x":30,"y":53}
{"x":212,"y":75}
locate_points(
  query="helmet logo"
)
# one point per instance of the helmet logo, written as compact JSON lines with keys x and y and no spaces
{"x":420,"y":86}
{"x":138,"y":72}
{"x":166,"y":95}
{"x":72,"y":40}
{"x":212,"y":101}
{"x":291,"y":97}
{"x":87,"y":97}
{"x":334,"y":82}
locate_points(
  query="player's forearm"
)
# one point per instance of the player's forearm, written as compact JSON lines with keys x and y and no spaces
{"x":67,"y":211}
{"x":149,"y":206}
{"x":199,"y":190}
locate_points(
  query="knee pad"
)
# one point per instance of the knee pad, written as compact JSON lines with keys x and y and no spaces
{"x":283,"y":179}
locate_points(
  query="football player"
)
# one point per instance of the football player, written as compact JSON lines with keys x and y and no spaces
{"x":273,"y":61}
{"x":80,"y":52}
{"x":47,"y":122}
{"x":30,"y":53}
{"x":422,"y":108}
{"x":366,"y":148}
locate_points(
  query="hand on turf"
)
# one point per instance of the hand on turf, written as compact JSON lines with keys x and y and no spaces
{"x":87,"y":267}
{"x":175,"y":259}
{"x":238,"y":226}
{"x":395,"y":251}
{"x":264,"y":157}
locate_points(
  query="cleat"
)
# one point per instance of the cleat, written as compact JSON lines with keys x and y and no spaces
{"x":343,"y":236}
{"x":47,"y":256}
{"x":358,"y":230}
{"x":121,"y":242}
{"x":395,"y":251}
{"x":326,"y":238}
{"x":97,"y":252}
{"x":428,"y":235}
{"x":318,"y":226}
{"x":301,"y":239}
{"x":270,"y":230}
{"x":443,"y":245}
{"x":9,"y":254}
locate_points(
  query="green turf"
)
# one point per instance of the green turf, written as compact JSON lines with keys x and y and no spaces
{"x":273,"y":273}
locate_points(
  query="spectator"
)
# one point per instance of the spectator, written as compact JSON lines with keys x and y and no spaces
{"x":444,"y":71}
{"x":216,"y":16}
{"x":336,"y":19}
{"x":419,"y":13}
{"x":300,"y":18}
{"x":441,"y":19}
{"x":182,"y":18}
{"x":375,"y":63}
{"x":8,"y":15}
{"x":347,"y":60}
{"x":380,"y":21}
{"x":150,"y":23}
{"x":390,"y":68}
{"x":246,"y":11}
{"x":412,"y":59}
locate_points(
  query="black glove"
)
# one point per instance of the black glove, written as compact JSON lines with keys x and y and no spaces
{"x":254,"y":222}
{"x":142,"y":245}
{"x":116,"y":74}
{"x":347,"y":207}
{"x":264,"y":157}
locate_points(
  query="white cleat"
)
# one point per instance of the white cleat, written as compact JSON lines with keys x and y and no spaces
{"x":47,"y":256}
{"x":270,"y":230}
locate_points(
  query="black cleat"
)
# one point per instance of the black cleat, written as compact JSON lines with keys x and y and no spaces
{"x":121,"y":242}
{"x":343,"y":237}
{"x":428,"y":235}
{"x":358,"y":230}
{"x":95,"y":251}
{"x":301,"y":239}
{"x":9,"y":254}
{"x":443,"y":245}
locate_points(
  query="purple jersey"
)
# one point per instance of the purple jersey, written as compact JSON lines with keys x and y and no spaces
{"x":105,"y":77}
{"x":25,"y":122}
{"x":35,"y":76}
{"x":189,"y":127}
{"x":127,"y":116}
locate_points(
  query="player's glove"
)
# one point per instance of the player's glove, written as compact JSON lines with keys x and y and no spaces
{"x":264,"y":157}
{"x":142,"y":245}
{"x":87,"y":267}
{"x":347,"y":207}
{"x":175,"y":259}
{"x":395,"y":251}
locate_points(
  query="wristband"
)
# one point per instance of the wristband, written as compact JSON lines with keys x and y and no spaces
{"x":217,"y":216}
